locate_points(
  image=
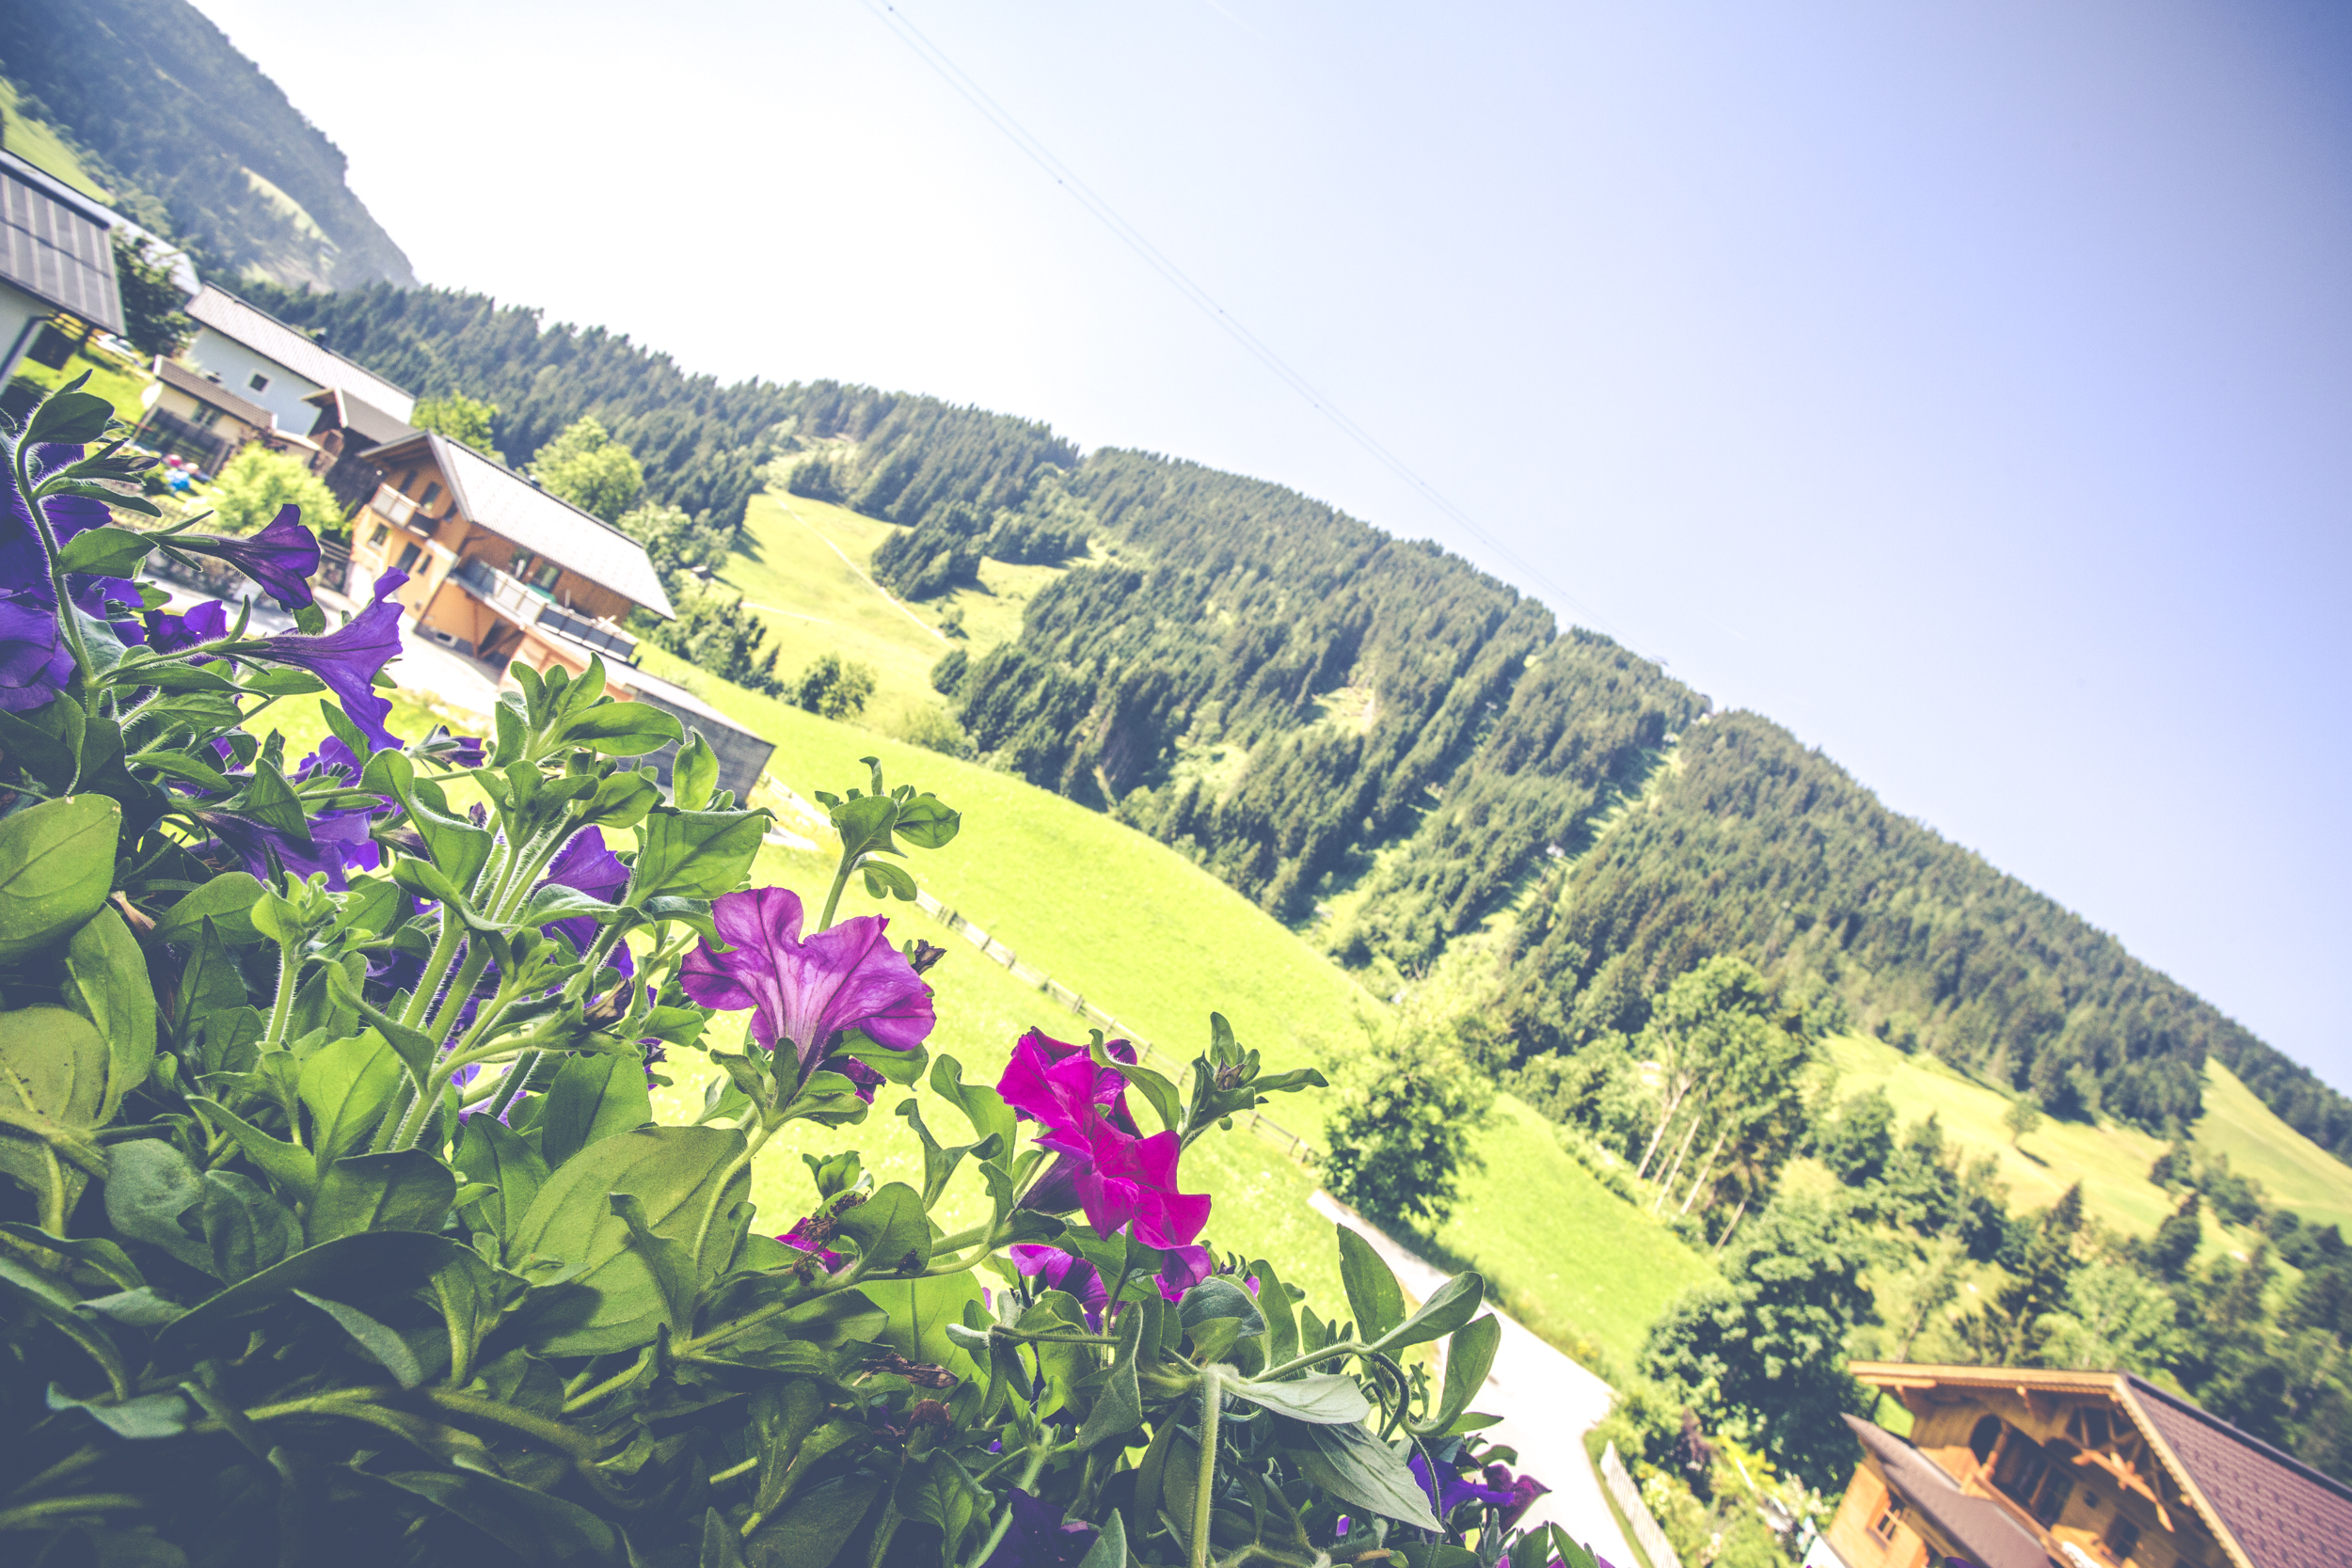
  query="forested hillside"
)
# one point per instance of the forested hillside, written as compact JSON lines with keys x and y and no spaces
{"x":1307,"y":706}
{"x":193,"y":140}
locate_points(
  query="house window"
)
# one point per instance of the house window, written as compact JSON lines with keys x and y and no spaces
{"x":432,"y":493}
{"x":2121,"y":1538}
{"x":547,"y":574}
{"x":519,"y":565}
{"x":2049,"y":1501}
{"x":1986,"y":1435}
{"x":408,"y":557}
{"x":406,"y":480}
{"x":383,"y":531}
{"x":206,"y":417}
{"x":259,"y":382}
{"x":1884,"y":1526}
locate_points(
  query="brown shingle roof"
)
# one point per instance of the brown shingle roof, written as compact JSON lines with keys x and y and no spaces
{"x":2282,"y":1513}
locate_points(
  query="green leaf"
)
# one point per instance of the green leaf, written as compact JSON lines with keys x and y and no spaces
{"x":1326,"y":1399}
{"x":592,"y":1098}
{"x":1469,"y":1357}
{"x":404,"y":1190}
{"x":150,"y":1185}
{"x":891,"y":1231}
{"x":95,"y":1252}
{"x":1274,"y":1300}
{"x":1159,"y":1091}
{"x":982,"y":1105}
{"x":666,"y":1259}
{"x":373,"y":1265}
{"x":1118,"y":1403}
{"x":289,"y":1166}
{"x":920,"y":1311}
{"x":389,"y":1348}
{"x":108,"y":985}
{"x":1373,"y":1293}
{"x":694,"y":854}
{"x":695,"y":775}
{"x":676,"y":1173}
{"x":57,"y":866}
{"x":227,"y":901}
{"x":721,"y":1547}
{"x":623,"y":729}
{"x":31,"y":1290}
{"x":864,"y":825}
{"x":53,"y":1079}
{"x":927,"y":823}
{"x":106,"y":552}
{"x":1357,"y":1467}
{"x":69,"y":415}
{"x":498,"y":1157}
{"x":1452,"y":1305}
{"x":885,"y":881}
{"x":347,"y":1085}
{"x":531,"y":1524}
{"x":555,"y":902}
{"x":1110,"y":1546}
{"x":148,"y":1417}
{"x":785,"y":1415}
{"x":1220,"y":1297}
{"x":809,"y":1534}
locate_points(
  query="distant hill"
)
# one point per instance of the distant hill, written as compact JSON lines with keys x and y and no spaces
{"x":190,"y":139}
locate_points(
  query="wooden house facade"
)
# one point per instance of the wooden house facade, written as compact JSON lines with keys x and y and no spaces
{"x":2017,"y":1468}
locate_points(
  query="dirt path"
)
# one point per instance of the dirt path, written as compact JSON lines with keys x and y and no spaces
{"x":1547,"y":1402}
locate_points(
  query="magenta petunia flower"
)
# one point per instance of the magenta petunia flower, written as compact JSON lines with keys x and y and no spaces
{"x":1130,"y":1183}
{"x":807,"y":991}
{"x":349,"y":659}
{"x":282,"y":557}
{"x":799,"y":1240}
{"x":1186,"y":1266}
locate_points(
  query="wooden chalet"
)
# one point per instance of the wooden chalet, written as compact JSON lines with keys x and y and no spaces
{"x":2015,"y":1468}
{"x":501,"y":571}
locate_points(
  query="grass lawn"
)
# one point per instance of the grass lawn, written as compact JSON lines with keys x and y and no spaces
{"x":802,"y":568}
{"x":117,"y":380}
{"x":39,"y":145}
{"x":2296,"y":1173}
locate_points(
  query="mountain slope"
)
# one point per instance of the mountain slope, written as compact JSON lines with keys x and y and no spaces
{"x":191,"y":132}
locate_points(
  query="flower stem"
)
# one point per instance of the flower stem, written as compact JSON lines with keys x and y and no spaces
{"x":1004,"y":1519}
{"x":68,"y":621}
{"x":833,"y":898}
{"x":1205,"y":1491}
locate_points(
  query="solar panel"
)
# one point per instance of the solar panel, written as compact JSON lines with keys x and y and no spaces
{"x":56,"y":252}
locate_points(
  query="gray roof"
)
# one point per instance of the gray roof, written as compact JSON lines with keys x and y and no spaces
{"x":266,"y":335}
{"x":54,"y":247}
{"x":1979,"y":1528}
{"x":205,"y":389}
{"x":356,"y":414}
{"x":510,"y":505}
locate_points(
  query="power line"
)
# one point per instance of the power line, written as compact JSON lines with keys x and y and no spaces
{"x":1133,"y":238}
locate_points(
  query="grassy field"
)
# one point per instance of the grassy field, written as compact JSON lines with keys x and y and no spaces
{"x":118,"y":381}
{"x":2112,"y":1161}
{"x":2296,"y":1173}
{"x":802,"y":568}
{"x":39,"y":145}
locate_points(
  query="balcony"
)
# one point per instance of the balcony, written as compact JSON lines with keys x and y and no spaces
{"x":519,"y":602}
{"x":390,"y":503}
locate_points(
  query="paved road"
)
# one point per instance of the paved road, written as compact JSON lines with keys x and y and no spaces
{"x":1547,"y":1402}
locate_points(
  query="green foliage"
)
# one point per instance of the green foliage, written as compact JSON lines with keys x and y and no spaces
{"x":945,"y":549}
{"x":153,"y":317}
{"x":2023,"y":1116}
{"x":587,"y":468}
{"x":258,"y":483}
{"x":2041,"y":1256}
{"x":928,"y":725}
{"x":461,"y":419}
{"x":715,"y":633}
{"x":1858,"y":1142}
{"x":171,"y":116}
{"x":831,"y":686}
{"x":1765,"y":1347}
{"x":679,"y":546}
{"x":2176,"y":1241}
{"x":1410,"y":1107}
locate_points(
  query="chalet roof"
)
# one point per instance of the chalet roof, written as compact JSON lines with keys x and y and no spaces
{"x":509,"y":505}
{"x":266,"y":335}
{"x":1980,"y":1528}
{"x":53,"y":244}
{"x":2269,"y":1508}
{"x":205,"y":389}
{"x":351,"y":412}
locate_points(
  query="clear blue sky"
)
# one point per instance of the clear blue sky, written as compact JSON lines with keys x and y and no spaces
{"x":1964,"y":385}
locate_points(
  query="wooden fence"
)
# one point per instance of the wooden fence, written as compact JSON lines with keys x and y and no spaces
{"x":1647,"y":1535}
{"x":1037,"y":979}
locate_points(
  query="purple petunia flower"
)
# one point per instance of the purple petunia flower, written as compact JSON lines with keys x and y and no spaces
{"x":801,"y":1240}
{"x":349,"y":659}
{"x":1525,"y":1490}
{"x":34,"y":662}
{"x":1122,"y":1180}
{"x":807,"y":991}
{"x":1456,"y":1490}
{"x":586,"y":865}
{"x":1185,"y":1267}
{"x":168,"y":633}
{"x":282,"y":557}
{"x":1038,"y":1536}
{"x":1056,"y":1270}
{"x":338,"y":842}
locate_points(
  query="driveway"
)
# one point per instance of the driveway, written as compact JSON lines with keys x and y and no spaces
{"x":1547,"y":1402}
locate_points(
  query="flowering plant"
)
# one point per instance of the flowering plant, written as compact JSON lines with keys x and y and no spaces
{"x":338,"y":1225}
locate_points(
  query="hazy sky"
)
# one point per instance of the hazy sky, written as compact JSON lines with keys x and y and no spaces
{"x":1964,"y":385}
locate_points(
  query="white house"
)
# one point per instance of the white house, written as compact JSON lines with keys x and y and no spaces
{"x":54,"y":256}
{"x":256,"y":355}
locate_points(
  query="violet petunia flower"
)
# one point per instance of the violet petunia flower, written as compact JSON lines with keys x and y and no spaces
{"x":1038,"y":1536}
{"x":1185,"y":1267}
{"x":1525,"y":1490}
{"x":349,"y":659}
{"x":282,"y":557}
{"x":809,"y":991}
{"x":34,"y":661}
{"x":1056,"y":1270}
{"x":338,"y":842}
{"x":168,"y":633}
{"x":586,"y":865}
{"x":1456,"y":1490}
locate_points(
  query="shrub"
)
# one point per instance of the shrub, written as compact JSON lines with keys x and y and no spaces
{"x":1401,"y":1137}
{"x":363,"y":1247}
{"x":259,"y":483}
{"x":928,"y":725}
{"x":587,"y":468}
{"x":833,"y":687}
